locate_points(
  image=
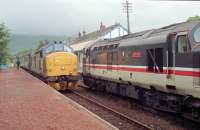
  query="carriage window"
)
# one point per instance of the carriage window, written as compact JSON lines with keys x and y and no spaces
{"x":99,"y":48}
{"x":123,"y":53}
{"x":182,"y":44}
{"x":105,"y":48}
{"x":41,"y":54}
{"x":95,"y":49}
{"x":197,"y":35}
{"x":87,"y":52}
{"x":35,"y":60}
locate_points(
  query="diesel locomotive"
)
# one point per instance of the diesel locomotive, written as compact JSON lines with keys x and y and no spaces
{"x":159,"y":67}
{"x":55,"y":63}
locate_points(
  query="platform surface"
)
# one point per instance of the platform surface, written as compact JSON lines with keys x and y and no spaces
{"x":26,"y":103}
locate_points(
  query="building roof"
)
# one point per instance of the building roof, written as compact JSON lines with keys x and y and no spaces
{"x":96,"y":34}
{"x":87,"y":40}
{"x":81,"y":45}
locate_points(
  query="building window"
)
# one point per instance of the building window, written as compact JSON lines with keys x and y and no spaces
{"x":123,"y":53}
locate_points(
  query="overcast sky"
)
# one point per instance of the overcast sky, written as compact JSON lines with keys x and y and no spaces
{"x":68,"y":17}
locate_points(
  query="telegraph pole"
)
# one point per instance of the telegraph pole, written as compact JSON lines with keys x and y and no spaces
{"x":127,"y":8}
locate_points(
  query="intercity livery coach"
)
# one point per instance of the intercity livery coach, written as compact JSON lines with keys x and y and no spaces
{"x":159,"y":67}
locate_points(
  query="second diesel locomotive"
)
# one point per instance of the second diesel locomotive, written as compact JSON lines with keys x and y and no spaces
{"x":160,"y":68}
{"x":55,"y":63}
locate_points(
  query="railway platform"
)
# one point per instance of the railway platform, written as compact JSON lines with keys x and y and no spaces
{"x":26,"y":103}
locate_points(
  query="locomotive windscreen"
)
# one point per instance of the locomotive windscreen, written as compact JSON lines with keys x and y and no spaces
{"x":58,"y":47}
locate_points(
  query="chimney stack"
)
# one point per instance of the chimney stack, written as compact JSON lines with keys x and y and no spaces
{"x":79,"y":34}
{"x":102,"y":27}
{"x":84,"y":33}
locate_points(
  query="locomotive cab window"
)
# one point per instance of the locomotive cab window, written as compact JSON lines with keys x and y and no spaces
{"x":58,"y":47}
{"x":49,"y":49}
{"x":182,"y":44}
{"x":197,"y":35}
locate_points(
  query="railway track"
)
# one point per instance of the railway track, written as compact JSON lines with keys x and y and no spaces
{"x":127,"y":110}
{"x":121,"y":118}
{"x":120,"y":115}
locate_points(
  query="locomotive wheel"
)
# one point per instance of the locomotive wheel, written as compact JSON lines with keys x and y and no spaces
{"x":55,"y":85}
{"x":72,"y":84}
{"x":67,"y":85}
{"x":76,"y":85}
{"x":63,"y":86}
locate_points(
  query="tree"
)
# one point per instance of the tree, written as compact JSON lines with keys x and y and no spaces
{"x":193,"y":18}
{"x":41,"y":43}
{"x":4,"y":41}
{"x":23,"y":52}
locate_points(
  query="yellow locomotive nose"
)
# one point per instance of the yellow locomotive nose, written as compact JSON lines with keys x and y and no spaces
{"x":61,"y":63}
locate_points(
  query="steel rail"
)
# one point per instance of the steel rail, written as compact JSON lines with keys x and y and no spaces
{"x":120,"y":115}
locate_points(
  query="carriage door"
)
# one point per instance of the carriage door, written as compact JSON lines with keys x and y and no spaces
{"x":170,"y":57}
{"x":196,"y":64}
{"x":84,"y":61}
{"x":112,"y":60}
{"x":30,"y":61}
{"x":41,"y":62}
{"x":109,"y":58}
{"x":180,"y":59}
{"x":88,"y":60}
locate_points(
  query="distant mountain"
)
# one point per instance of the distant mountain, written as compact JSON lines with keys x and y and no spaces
{"x":21,"y":42}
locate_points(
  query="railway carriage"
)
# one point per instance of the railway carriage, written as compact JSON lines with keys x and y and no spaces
{"x":160,"y":68}
{"x":55,"y":63}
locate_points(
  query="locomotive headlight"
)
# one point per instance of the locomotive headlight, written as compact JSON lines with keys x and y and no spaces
{"x":62,"y":68}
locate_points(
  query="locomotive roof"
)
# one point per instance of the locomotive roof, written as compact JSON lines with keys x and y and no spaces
{"x":41,"y":47}
{"x":45,"y":45}
{"x":156,"y":36}
{"x":153,"y":36}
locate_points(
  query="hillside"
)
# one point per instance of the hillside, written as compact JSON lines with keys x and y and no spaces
{"x":22,"y":42}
